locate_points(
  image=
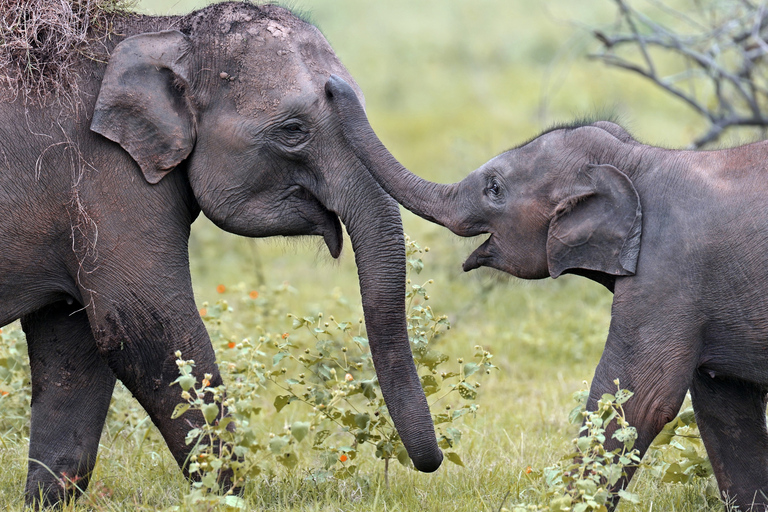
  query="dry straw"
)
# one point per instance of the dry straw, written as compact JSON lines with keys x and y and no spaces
{"x":42,"y":42}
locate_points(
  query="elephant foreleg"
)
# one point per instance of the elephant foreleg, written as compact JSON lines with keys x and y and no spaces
{"x":139,"y":343}
{"x":71,"y":391}
{"x":652,"y":361}
{"x":731,"y":419}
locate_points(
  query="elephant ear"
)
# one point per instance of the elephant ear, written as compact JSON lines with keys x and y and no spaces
{"x":597,"y":228}
{"x":144,"y":102}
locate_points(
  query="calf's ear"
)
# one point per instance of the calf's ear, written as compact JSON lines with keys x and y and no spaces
{"x":598,"y":226}
{"x":144,"y":102}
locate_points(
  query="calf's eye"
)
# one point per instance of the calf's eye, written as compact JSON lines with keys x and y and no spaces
{"x":493,"y":187}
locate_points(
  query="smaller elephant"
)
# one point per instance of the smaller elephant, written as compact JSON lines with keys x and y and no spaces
{"x":679,"y":237}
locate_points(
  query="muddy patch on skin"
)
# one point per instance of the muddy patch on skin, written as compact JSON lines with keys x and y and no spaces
{"x":276,"y":52}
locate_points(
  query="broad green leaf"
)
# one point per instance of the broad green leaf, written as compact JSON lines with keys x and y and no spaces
{"x":282,"y":400}
{"x":288,"y":460}
{"x":210,"y":411}
{"x":629,"y":496}
{"x":454,"y":433}
{"x":623,"y":395}
{"x":432,"y":359}
{"x":614,"y":473}
{"x":369,"y":389}
{"x":467,"y":391}
{"x":277,"y":443}
{"x":209,"y":481}
{"x":186,"y":381}
{"x":575,"y":417}
{"x":179,"y":410}
{"x":470,"y":368}
{"x":666,"y":435}
{"x":279,"y":357}
{"x":321,"y":436}
{"x":454,"y":457}
{"x":429,"y":384}
{"x":299,"y":429}
{"x":675,"y":474}
{"x":362,"y":420}
{"x":583,"y":444}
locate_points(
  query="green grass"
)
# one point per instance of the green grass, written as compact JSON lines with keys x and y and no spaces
{"x":448,"y":84}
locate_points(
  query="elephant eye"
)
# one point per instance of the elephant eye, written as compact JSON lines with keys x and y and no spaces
{"x":293,"y":128}
{"x":293,"y":133}
{"x":493,"y":187}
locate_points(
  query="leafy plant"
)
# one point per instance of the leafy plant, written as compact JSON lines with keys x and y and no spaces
{"x":584,"y":480}
{"x":677,"y":455}
{"x":324,"y":365}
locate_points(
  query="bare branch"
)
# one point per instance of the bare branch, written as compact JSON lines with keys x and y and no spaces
{"x":723,"y":48}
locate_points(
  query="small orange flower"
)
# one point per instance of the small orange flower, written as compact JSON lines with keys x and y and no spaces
{"x":203,"y":312}
{"x":221,"y":288}
{"x":348,"y":377}
{"x":343,"y":457}
{"x":285,"y":335}
{"x":206,"y":383}
{"x":528,"y":470}
{"x":231,"y":344}
{"x":1,"y":331}
{"x":254,"y":294}
{"x":3,"y":393}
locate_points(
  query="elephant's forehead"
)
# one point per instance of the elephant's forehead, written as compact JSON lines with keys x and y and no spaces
{"x":278,"y":58}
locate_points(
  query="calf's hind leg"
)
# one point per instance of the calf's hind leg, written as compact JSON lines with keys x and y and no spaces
{"x":731,"y":418}
{"x":71,"y":389}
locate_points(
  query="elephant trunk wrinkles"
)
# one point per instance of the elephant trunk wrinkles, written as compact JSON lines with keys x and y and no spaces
{"x":375,"y":229}
{"x":431,"y":201}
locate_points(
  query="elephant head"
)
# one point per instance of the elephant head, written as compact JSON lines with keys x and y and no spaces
{"x":548,"y":208}
{"x":233,"y":97}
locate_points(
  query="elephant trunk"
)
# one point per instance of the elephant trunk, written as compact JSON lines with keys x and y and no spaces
{"x":373,"y":221}
{"x":432,"y":201}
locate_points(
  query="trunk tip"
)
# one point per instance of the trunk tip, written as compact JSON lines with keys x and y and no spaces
{"x":428,"y":463}
{"x":337,"y":87}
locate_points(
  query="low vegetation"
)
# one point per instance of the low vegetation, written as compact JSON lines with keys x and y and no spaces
{"x":312,"y":432}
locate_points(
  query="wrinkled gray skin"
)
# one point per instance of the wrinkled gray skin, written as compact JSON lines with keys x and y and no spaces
{"x":223,"y":111}
{"x":680,"y":237}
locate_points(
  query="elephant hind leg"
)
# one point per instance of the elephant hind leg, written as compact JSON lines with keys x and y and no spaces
{"x":71,"y":390}
{"x":731,"y":418}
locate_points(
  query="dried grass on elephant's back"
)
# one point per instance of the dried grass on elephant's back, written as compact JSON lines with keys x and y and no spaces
{"x":42,"y":40}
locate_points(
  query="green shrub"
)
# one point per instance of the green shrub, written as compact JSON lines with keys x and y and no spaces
{"x":320,"y":378}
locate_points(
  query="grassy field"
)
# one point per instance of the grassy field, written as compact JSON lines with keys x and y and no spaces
{"x":448,"y":85}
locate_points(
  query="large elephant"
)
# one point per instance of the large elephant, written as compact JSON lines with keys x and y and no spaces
{"x":222,"y":110}
{"x":680,"y":237}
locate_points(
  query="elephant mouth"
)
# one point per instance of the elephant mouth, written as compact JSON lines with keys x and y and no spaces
{"x":333,"y":236}
{"x":330,"y":225}
{"x":481,"y":257}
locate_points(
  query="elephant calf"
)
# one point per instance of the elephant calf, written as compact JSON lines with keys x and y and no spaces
{"x":679,"y":237}
{"x":221,"y":111}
